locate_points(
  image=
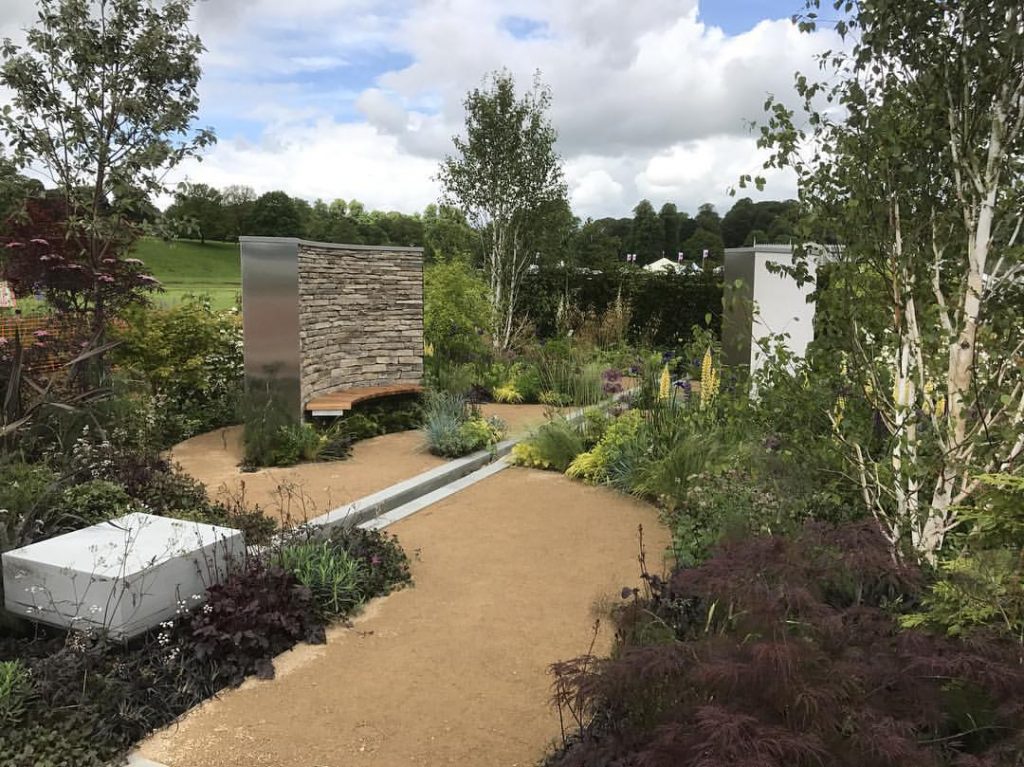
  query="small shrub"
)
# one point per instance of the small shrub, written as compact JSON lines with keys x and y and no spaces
{"x":595,"y":465}
{"x":453,"y":429}
{"x":95,"y":501}
{"x":385,"y":566}
{"x":785,"y":651}
{"x":508,"y":394}
{"x":334,"y":578}
{"x":190,"y":358}
{"x":15,"y":692}
{"x":553,"y":446}
{"x":979,"y":585}
{"x":526,"y":453}
{"x":28,"y":497}
{"x":252,"y":616}
{"x":526,"y":379}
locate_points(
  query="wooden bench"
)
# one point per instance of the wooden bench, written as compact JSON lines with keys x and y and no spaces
{"x":339,"y":402}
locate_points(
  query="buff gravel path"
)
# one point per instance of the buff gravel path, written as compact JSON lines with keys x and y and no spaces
{"x":454,"y":670}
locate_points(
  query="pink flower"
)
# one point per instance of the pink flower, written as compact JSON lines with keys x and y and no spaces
{"x":104,"y":278}
{"x":149,"y":278}
{"x":133,"y":262}
{"x":15,"y":245}
{"x":110,"y":260}
{"x":38,"y":241}
{"x":42,"y":333}
{"x":3,"y":341}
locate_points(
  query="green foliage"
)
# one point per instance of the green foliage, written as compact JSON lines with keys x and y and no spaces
{"x":29,"y":508}
{"x":453,"y":429}
{"x":190,"y":358}
{"x":663,"y":306}
{"x":567,"y":377}
{"x":456,"y":310}
{"x":553,"y":446}
{"x":508,"y":394}
{"x":15,"y":692}
{"x":595,"y":465}
{"x":980,"y":583}
{"x":275,"y":214}
{"x":332,"y":576}
{"x":94,"y":501}
{"x":384,"y":564}
{"x":202,"y":207}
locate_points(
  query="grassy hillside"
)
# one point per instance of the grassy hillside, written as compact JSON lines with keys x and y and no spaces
{"x":187,"y":266}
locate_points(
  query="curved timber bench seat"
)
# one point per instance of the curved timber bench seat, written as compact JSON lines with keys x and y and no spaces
{"x":339,"y":402}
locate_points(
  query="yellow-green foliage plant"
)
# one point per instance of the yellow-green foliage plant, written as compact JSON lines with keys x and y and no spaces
{"x":529,"y":455}
{"x":553,"y":446}
{"x":508,"y":394}
{"x":592,"y":466}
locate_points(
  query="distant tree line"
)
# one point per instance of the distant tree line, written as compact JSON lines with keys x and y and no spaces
{"x":203,"y":212}
{"x":562,"y":238}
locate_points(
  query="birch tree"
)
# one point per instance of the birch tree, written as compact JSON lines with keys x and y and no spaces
{"x":912,"y":159}
{"x":504,"y":175}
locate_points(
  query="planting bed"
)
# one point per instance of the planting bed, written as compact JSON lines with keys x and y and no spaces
{"x":453,"y":671}
{"x":300,"y":493}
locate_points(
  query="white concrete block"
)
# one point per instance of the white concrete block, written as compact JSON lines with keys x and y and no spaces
{"x":761,"y":302}
{"x":123,"y":576}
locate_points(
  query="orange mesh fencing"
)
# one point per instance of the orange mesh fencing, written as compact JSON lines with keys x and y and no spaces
{"x":48,"y":342}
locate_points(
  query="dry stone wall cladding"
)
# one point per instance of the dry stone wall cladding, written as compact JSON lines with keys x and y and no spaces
{"x":360,"y":317}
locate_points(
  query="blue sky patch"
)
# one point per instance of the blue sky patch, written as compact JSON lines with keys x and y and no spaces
{"x":523,"y":28}
{"x":737,"y":16}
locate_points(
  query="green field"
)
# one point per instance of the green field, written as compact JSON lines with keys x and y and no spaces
{"x":188,"y":266}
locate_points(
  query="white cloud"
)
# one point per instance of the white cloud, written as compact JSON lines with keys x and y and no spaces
{"x":324,"y":159}
{"x":360,"y":98}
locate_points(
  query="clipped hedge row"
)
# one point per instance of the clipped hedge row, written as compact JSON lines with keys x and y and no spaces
{"x":665,"y":306}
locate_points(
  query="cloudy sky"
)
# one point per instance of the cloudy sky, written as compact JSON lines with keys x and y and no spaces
{"x":360,"y":98}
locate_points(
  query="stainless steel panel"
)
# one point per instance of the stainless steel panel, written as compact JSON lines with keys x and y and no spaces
{"x":270,"y":321}
{"x":737,"y":314}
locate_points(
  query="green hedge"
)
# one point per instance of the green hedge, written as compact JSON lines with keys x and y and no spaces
{"x":669,"y":304}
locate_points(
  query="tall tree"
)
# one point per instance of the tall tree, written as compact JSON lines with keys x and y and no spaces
{"x":104,"y":100}
{"x":203,"y":207}
{"x":505,"y":171}
{"x":738,"y":223}
{"x":648,"y":234}
{"x":275,"y":214}
{"x":448,"y":235}
{"x":707,"y":218}
{"x":669,"y":215}
{"x":920,"y":177}
{"x":238,"y":202}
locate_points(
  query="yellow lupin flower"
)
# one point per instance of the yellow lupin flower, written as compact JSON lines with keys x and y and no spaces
{"x":665,"y":384}
{"x":428,"y":350}
{"x":709,"y":379}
